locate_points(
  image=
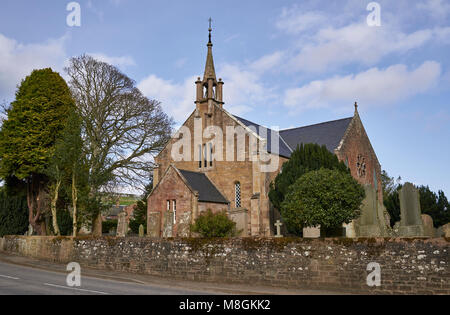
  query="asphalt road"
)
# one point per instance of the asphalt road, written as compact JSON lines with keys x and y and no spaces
{"x":21,"y":280}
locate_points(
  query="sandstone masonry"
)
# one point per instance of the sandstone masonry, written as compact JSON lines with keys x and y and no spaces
{"x":408,"y":266}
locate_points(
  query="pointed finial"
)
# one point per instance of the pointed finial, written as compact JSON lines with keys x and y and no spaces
{"x":356,"y":106}
{"x":210,"y":29}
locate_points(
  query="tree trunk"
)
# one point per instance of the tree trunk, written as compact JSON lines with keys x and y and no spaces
{"x":74,"y":205}
{"x":53,"y":208}
{"x":35,"y":195}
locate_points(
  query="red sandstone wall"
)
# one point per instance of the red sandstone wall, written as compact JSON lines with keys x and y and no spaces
{"x":357,"y":142}
{"x":170,"y":188}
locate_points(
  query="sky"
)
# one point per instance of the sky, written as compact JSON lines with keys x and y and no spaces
{"x":284,"y":63}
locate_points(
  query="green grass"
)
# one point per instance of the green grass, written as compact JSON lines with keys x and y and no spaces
{"x":127,"y":201}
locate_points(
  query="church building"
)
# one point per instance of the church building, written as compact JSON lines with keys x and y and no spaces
{"x":235,"y":178}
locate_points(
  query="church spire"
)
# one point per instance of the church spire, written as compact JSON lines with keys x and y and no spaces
{"x":209,"y":90}
{"x":210,"y":72}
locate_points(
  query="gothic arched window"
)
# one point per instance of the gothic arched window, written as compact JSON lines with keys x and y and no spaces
{"x":237,"y":191}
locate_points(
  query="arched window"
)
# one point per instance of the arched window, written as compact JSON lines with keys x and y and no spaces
{"x":199,"y":156}
{"x":210,"y":154}
{"x":205,"y":156}
{"x":237,"y":190}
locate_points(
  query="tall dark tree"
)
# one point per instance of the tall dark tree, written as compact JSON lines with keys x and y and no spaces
{"x":435,"y":205}
{"x":306,"y":158}
{"x":28,"y":135}
{"x":13,"y":207}
{"x":392,"y":204}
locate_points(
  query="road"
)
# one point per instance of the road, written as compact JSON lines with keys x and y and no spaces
{"x":21,"y":280}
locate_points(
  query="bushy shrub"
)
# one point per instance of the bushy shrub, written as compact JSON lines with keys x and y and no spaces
{"x":306,"y":158}
{"x":325,"y":197}
{"x":210,"y":224}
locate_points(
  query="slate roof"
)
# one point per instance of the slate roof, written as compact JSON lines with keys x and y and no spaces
{"x":328,"y":133}
{"x":207,"y":192}
{"x":283,"y":149}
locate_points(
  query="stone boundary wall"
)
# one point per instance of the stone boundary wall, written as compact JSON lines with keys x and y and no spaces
{"x":408,"y":266}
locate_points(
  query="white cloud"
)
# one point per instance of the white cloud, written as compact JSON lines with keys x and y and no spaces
{"x":325,"y":41}
{"x":438,"y":9}
{"x":372,"y":87}
{"x":243,"y":89}
{"x":295,"y":21}
{"x":121,"y":61}
{"x":177,"y":99}
{"x":355,"y":43}
{"x":17,"y":60}
{"x":267,"y":62}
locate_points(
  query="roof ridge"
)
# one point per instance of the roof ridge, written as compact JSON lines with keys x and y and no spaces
{"x":318,"y":124}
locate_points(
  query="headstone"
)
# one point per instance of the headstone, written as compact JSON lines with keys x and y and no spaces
{"x":428,"y":227}
{"x":240,"y":216}
{"x":411,"y":224}
{"x":141,"y":230}
{"x":350,"y":230}
{"x":278,"y":225}
{"x":369,"y":225}
{"x":168,"y":224}
{"x":154,"y":224}
{"x":311,"y":232}
{"x":184,"y":224}
{"x":122,"y":225}
{"x":446,"y":230}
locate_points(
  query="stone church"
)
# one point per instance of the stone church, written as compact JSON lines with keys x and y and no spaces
{"x":239,"y":184}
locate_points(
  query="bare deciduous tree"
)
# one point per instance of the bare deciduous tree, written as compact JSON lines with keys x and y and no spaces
{"x":121,"y":128}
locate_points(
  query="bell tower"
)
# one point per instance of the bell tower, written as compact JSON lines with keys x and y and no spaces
{"x":209,"y":90}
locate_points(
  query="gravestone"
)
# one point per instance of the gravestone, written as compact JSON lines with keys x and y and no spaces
{"x":184,"y":224}
{"x":350,"y":229}
{"x":428,"y":227}
{"x":311,"y":232}
{"x":446,"y":230}
{"x":411,"y":224}
{"x":168,"y":225}
{"x":122,"y":225}
{"x":368,"y":223}
{"x":141,"y":230}
{"x":278,"y":225}
{"x":154,"y":224}
{"x":240,"y":216}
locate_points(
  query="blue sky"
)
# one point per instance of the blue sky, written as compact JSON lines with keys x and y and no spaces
{"x":284,"y":63}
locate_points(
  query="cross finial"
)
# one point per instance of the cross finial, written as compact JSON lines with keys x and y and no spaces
{"x":210,"y":29}
{"x":356,"y":106}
